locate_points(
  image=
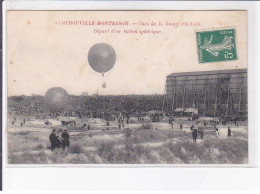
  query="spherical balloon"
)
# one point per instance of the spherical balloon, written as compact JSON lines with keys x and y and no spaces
{"x":102,"y":57}
{"x":56,"y":99}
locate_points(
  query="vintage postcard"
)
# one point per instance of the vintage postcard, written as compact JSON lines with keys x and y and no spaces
{"x":127,"y":87}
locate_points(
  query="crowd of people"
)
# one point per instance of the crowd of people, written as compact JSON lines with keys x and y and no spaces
{"x":119,"y":108}
{"x":90,"y":106}
{"x":106,"y":107}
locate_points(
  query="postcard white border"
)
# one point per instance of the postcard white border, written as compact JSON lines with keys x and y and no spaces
{"x":14,"y":175}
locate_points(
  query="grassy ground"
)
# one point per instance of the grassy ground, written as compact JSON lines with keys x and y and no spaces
{"x":134,"y":144}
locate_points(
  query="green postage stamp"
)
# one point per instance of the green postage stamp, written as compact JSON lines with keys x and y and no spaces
{"x":216,"y":45}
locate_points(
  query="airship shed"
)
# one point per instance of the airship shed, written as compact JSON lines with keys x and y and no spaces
{"x":212,"y":93}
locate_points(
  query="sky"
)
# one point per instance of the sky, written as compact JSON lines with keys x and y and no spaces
{"x":42,"y":53}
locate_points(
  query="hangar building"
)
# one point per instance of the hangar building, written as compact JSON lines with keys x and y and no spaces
{"x":213,"y":93}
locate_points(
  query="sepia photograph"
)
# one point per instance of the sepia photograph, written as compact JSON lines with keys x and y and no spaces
{"x":127,"y":87}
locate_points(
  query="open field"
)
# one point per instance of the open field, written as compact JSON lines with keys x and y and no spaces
{"x":151,"y":143}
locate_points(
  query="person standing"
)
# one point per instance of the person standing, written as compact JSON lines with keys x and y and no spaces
{"x":65,"y":139}
{"x":53,"y":140}
{"x":217,"y":132}
{"x":180,"y":126}
{"x":194,"y":135}
{"x":229,"y":132}
{"x":170,"y":120}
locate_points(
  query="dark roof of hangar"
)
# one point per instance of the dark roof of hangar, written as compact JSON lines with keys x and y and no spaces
{"x":194,"y":73}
